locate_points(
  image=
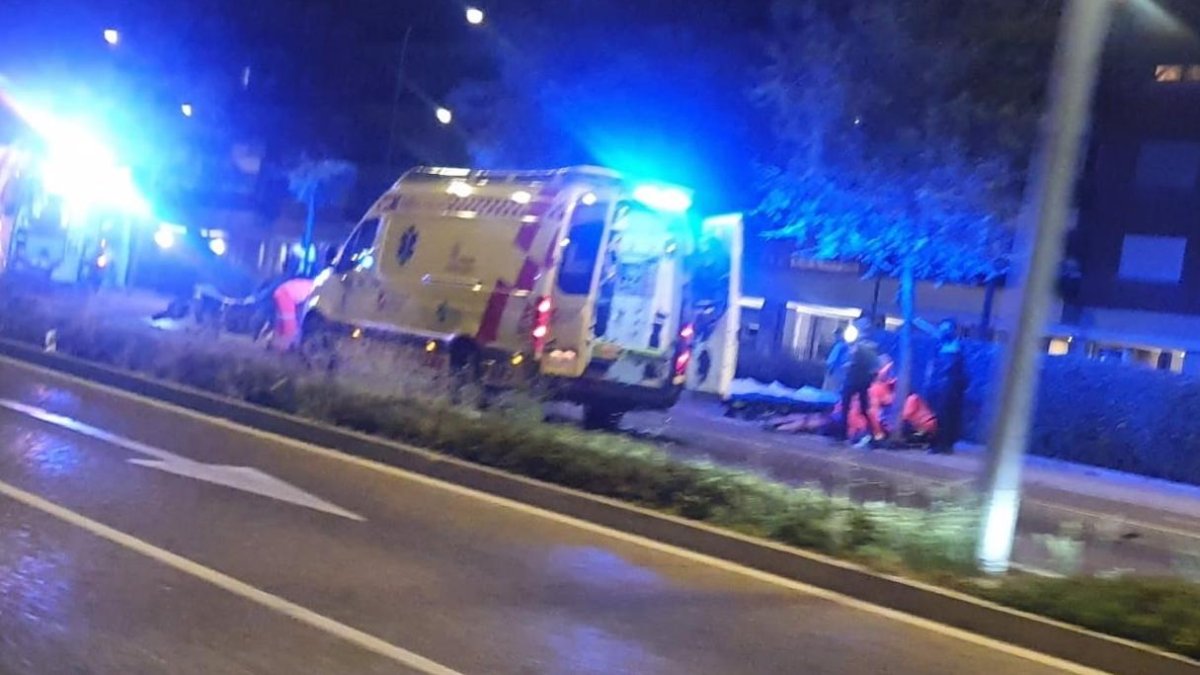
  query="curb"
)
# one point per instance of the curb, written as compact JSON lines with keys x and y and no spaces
{"x":954,"y":609}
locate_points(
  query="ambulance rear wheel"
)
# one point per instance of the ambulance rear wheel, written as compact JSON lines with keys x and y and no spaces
{"x":602,"y":417}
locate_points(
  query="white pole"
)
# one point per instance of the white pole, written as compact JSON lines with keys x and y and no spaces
{"x":1036,"y":261}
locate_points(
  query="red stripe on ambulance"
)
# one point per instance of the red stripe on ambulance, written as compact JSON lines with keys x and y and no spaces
{"x":489,"y":325}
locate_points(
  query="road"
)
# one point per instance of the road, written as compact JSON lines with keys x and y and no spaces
{"x":129,"y":544}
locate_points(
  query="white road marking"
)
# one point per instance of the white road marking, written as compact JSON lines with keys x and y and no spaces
{"x":247,"y":479}
{"x":224,"y":581}
{"x":844,"y":600}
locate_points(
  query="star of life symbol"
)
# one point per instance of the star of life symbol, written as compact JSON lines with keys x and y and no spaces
{"x":408,"y":245}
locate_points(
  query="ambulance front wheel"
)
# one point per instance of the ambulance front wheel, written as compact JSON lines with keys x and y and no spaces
{"x":602,"y":416}
{"x":318,"y":343}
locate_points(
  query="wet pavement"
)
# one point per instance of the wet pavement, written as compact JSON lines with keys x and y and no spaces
{"x":295,"y":561}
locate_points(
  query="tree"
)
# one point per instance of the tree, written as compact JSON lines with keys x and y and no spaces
{"x":902,"y":144}
{"x":318,"y":183}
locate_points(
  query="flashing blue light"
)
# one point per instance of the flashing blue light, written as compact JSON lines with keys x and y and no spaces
{"x":663,"y":198}
{"x":79,"y":165}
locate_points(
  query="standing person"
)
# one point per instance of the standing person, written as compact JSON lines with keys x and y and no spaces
{"x":835,"y":363}
{"x":861,"y":370}
{"x":946,"y":386}
{"x":289,"y":298}
{"x":21,"y":264}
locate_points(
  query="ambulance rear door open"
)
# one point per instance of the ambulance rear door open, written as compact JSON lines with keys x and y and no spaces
{"x":618,"y":295}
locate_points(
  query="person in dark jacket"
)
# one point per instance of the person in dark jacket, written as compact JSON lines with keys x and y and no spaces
{"x":835,"y":363}
{"x":861,"y":369}
{"x":946,"y":387}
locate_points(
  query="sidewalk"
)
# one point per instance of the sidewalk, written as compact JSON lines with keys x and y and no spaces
{"x":1073,"y":517}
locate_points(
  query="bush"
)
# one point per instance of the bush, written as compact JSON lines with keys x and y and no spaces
{"x":1108,"y":415}
{"x":793,"y":373}
{"x":1131,"y":419}
{"x":1163,"y":612}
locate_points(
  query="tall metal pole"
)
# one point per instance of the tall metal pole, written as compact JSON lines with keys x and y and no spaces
{"x":1037,"y":257}
{"x":396,"y":95}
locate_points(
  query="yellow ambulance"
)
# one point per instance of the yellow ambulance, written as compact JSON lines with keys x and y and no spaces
{"x":577,"y":278}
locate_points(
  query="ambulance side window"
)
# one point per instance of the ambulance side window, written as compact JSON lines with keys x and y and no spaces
{"x":358,"y":247}
{"x":582,"y":248}
{"x":579,"y":258}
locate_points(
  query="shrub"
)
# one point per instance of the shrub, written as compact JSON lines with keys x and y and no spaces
{"x":1163,"y":612}
{"x":793,"y":373}
{"x":1108,"y":415}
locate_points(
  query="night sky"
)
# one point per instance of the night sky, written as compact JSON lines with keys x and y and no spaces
{"x":666,"y":79}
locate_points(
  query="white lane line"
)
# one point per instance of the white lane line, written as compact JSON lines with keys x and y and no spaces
{"x":240,"y":588}
{"x":644,"y":542}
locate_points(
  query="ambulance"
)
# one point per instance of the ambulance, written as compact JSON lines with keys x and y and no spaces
{"x":578,"y":279}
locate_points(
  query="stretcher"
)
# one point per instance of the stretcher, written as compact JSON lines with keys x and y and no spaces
{"x":751,"y":399}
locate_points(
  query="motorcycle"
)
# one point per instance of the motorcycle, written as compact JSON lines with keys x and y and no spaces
{"x":214,"y":312}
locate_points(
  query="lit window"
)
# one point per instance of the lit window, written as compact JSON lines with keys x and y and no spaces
{"x":1152,"y":259}
{"x":1168,"y":73}
{"x":1193,"y":73}
{"x":1059,"y":347}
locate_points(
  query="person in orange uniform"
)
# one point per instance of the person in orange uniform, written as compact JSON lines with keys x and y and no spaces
{"x":288,"y":297}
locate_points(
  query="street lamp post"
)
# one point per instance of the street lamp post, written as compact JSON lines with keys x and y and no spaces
{"x":474,"y":16}
{"x":1038,"y":254}
{"x":396,"y":94}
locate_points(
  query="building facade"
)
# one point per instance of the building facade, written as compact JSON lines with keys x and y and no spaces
{"x":1136,"y":241}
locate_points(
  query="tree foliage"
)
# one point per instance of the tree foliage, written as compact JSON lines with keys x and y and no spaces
{"x":904,"y":129}
{"x":316,"y":184}
{"x":321,"y":182}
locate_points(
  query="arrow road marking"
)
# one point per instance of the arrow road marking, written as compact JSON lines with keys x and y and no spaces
{"x":244,"y":478}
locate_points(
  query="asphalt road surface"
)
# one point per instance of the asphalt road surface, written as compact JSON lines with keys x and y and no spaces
{"x":139,"y":539}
